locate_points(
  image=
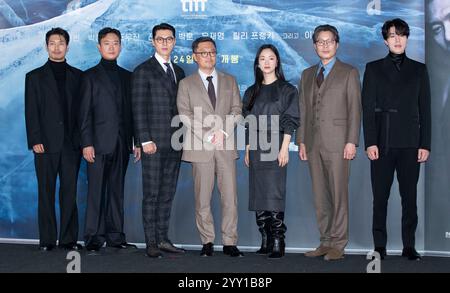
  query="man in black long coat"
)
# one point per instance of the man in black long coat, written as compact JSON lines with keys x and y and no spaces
{"x":51,"y":107}
{"x":397,"y":132}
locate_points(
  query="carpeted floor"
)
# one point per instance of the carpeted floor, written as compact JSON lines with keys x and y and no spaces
{"x":19,"y":258}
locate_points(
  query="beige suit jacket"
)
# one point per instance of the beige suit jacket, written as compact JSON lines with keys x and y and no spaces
{"x":339,"y":111}
{"x":194,"y":106}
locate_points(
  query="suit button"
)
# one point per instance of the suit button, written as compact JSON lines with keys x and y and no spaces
{"x":60,"y":123}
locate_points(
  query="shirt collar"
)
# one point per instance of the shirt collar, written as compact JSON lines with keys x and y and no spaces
{"x":204,"y":75}
{"x":328,"y":66}
{"x":161,"y":60}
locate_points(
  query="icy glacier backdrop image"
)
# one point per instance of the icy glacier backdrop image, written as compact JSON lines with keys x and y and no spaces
{"x":239,"y":28}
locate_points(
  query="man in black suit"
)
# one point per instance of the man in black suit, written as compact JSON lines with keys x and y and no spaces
{"x":51,"y":107}
{"x":107,"y":140}
{"x":154,"y":92}
{"x":397,"y":132}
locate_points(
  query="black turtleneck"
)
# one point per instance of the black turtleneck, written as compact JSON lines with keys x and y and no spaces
{"x":397,"y":59}
{"x":112,"y":70}
{"x":59,"y":71}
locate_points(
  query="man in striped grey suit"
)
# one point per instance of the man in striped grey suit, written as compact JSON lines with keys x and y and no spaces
{"x":154,"y":92}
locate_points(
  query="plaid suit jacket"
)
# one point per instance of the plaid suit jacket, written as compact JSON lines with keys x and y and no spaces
{"x":154,"y":102}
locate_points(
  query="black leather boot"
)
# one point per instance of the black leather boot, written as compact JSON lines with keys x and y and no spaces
{"x":278,"y":248}
{"x":278,"y":229}
{"x":263,"y":219}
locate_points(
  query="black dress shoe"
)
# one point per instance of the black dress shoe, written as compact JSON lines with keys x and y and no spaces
{"x":46,"y":247}
{"x":71,"y":246}
{"x":124,"y":245}
{"x":207,"y":249}
{"x":153,"y":252}
{"x":411,"y":253}
{"x":93,"y":247}
{"x":232,"y":251}
{"x":381,"y":251}
{"x":167,"y":246}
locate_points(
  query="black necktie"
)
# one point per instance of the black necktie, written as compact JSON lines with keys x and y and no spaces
{"x":320,"y":77}
{"x":211,"y":91}
{"x":169,"y":72}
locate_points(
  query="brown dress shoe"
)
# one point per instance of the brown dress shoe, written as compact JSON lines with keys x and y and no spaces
{"x":167,"y":246}
{"x":319,"y":251}
{"x":334,"y":254}
{"x":153,"y":252}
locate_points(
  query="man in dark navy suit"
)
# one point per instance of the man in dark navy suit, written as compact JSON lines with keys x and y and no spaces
{"x":107,"y":140}
{"x":51,"y":107}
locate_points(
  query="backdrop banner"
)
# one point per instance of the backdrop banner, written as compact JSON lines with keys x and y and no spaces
{"x":239,"y":28}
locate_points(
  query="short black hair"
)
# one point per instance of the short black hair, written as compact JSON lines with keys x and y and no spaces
{"x":57,"y":31}
{"x":108,"y":30}
{"x":325,"y":28}
{"x":401,"y":28}
{"x":199,"y":40}
{"x":162,"y":26}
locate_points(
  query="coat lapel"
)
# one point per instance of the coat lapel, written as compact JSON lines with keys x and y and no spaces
{"x":331,"y":76}
{"x":162,"y":76}
{"x":312,"y":84}
{"x":178,"y":74}
{"x":220,"y":90}
{"x":70,"y":83}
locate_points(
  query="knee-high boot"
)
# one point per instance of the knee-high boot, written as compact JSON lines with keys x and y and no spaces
{"x":278,"y":229}
{"x":263,"y":220}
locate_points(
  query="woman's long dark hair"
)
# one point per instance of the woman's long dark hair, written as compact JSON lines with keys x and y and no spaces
{"x":259,"y":77}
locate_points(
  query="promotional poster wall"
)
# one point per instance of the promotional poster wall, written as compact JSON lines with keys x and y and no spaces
{"x":239,"y":28}
{"x":438,"y":169}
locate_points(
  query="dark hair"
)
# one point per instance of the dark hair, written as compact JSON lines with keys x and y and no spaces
{"x":259,"y":77}
{"x":401,"y":28}
{"x":107,"y":30}
{"x":57,"y":31}
{"x":197,"y":41}
{"x":162,"y":26}
{"x":326,"y":28}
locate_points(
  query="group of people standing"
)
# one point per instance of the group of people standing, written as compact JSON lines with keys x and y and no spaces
{"x":107,"y":112}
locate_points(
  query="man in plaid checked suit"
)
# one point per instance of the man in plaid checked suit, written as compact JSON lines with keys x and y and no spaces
{"x":154,"y":92}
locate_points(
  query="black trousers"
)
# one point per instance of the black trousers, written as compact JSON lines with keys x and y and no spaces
{"x":104,"y":209}
{"x":159,"y":180}
{"x":66,"y":165}
{"x":404,"y":162}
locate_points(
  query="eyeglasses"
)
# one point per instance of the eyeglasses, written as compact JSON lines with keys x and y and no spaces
{"x":206,"y":54}
{"x":168,"y":40}
{"x":325,"y":43}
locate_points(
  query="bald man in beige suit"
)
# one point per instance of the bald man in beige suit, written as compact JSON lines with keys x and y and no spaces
{"x":330,"y":105}
{"x":209,"y":105}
